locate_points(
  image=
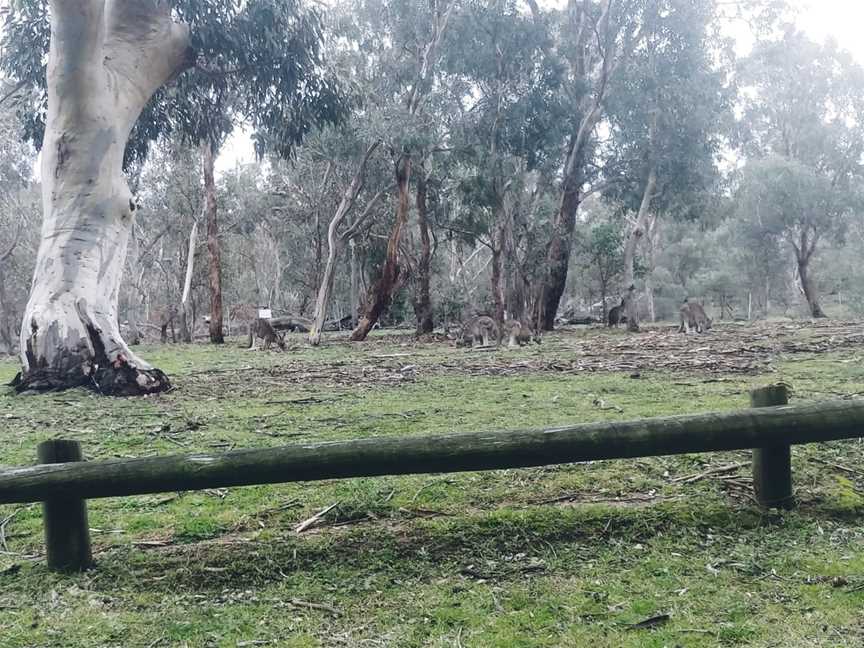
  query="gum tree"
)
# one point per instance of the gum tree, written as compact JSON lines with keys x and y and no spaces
{"x":804,"y":140}
{"x":107,"y":63}
{"x":665,"y":114}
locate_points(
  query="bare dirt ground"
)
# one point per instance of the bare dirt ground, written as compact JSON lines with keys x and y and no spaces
{"x":733,"y":348}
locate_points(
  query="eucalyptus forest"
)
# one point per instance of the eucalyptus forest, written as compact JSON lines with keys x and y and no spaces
{"x":271,"y":222}
{"x":419,"y":164}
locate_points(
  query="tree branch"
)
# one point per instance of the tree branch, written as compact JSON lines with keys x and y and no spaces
{"x":352,"y":231}
{"x":13,"y":91}
{"x":75,"y":57}
{"x":144,"y":48}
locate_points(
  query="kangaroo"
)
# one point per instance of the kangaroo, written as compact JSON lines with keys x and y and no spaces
{"x":262,"y":328}
{"x":165,"y":318}
{"x":616,"y":315}
{"x":518,"y":334}
{"x":479,"y":329}
{"x":693,"y":317}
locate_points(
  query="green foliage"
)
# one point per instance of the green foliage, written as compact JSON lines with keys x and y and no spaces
{"x":801,"y":101}
{"x":600,"y":247}
{"x":664,"y":110}
{"x":258,"y":61}
{"x":794,"y":203}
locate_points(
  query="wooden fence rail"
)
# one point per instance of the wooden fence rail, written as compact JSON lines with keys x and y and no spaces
{"x":769,"y":428}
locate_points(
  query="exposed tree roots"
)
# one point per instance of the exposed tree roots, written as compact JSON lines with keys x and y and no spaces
{"x":122,"y":380}
{"x":88,"y":367}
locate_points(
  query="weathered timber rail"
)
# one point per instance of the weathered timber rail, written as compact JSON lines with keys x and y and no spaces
{"x":770,"y":428}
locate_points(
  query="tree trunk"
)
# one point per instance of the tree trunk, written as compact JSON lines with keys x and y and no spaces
{"x":636,"y":234}
{"x":497,"y":279}
{"x":334,"y":243}
{"x":810,"y":292}
{"x":214,"y":274}
{"x":323,"y":299}
{"x":423,"y":299}
{"x":355,"y":285}
{"x":651,"y":231}
{"x":319,"y":242}
{"x":558,"y":254}
{"x":6,"y":334}
{"x":516,"y":277}
{"x":381,"y":292}
{"x":186,"y":311}
{"x":604,"y":289}
{"x":497,"y":286}
{"x":132,"y":316}
{"x":105,"y":62}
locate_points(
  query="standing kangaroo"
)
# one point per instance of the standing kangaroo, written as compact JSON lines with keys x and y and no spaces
{"x":616,"y":315}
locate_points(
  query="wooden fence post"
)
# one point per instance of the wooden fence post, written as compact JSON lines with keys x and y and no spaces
{"x":772,"y":465}
{"x":67,"y":534}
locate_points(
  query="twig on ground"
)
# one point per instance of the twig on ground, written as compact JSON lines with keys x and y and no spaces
{"x":316,"y":606}
{"x":312,"y":521}
{"x":719,"y":470}
{"x":309,"y":400}
{"x":840,"y":467}
{"x":5,"y":521}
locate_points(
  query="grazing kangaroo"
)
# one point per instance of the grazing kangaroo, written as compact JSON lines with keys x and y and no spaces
{"x":262,"y":328}
{"x":693,"y":317}
{"x":479,"y":329}
{"x":518,"y":334}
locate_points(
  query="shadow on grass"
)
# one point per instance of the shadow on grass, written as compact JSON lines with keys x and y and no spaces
{"x":419,"y":549}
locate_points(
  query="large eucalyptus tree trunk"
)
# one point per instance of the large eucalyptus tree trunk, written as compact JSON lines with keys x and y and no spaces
{"x":809,"y":288}
{"x":323,"y":300}
{"x":381,"y":292}
{"x":214,"y":273}
{"x":335,"y":242}
{"x":558,"y":253}
{"x":107,"y":58}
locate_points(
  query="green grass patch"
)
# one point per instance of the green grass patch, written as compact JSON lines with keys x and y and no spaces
{"x":573,"y":555}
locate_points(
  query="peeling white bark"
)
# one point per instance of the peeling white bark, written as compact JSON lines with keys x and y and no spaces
{"x":336,"y":241}
{"x":107,"y":58}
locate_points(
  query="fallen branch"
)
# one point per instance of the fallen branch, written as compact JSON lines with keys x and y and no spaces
{"x":312,"y":521}
{"x":840,"y":467}
{"x":3,"y":524}
{"x":689,"y":479}
{"x":316,"y":606}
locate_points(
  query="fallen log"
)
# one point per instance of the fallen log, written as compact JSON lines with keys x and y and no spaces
{"x":753,"y":428}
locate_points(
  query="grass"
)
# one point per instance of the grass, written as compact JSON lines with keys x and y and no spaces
{"x":572,"y":555}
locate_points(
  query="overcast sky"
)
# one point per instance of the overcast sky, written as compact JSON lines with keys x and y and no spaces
{"x":842,"y":20}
